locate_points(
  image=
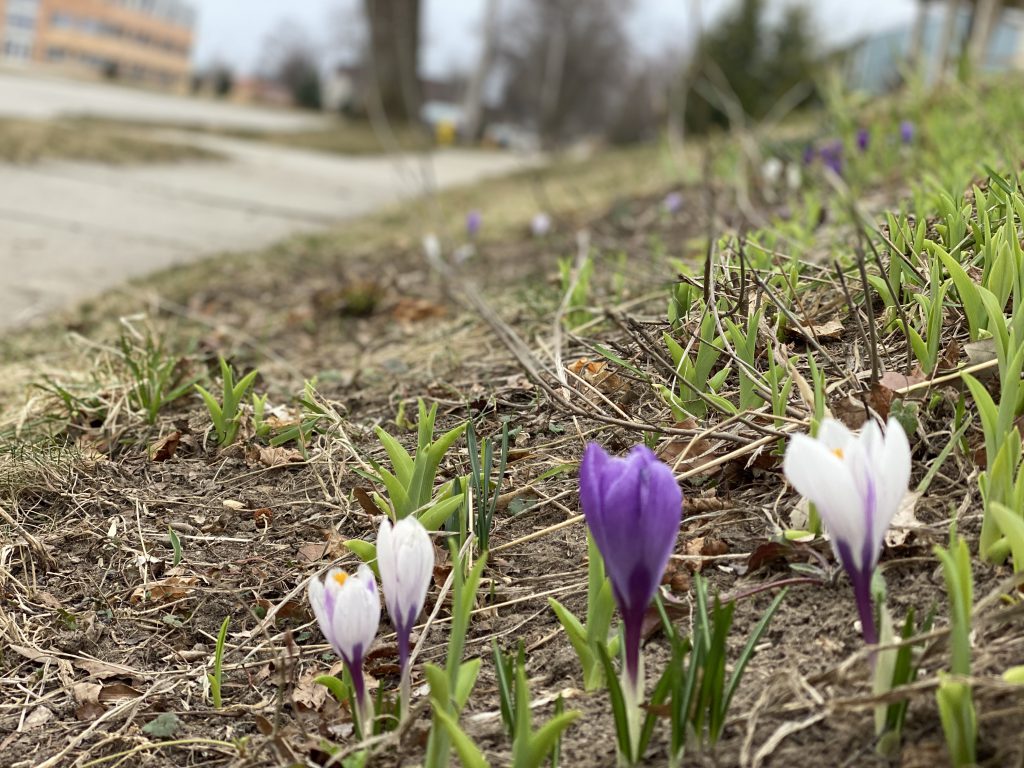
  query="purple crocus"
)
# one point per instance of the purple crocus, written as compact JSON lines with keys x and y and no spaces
{"x":856,"y":482}
{"x":809,"y":154}
{"x":832,"y":157}
{"x":474,"y":220}
{"x":347,"y":608}
{"x":633,"y":507}
{"x":863,"y":139}
{"x":907,"y":132}
{"x":673,"y":203}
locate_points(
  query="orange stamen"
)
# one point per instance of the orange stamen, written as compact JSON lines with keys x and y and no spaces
{"x":341,"y":577}
{"x":838,"y":453}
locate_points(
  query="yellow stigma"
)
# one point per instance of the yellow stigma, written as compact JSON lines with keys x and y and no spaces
{"x":341,"y":577}
{"x":837,"y":452}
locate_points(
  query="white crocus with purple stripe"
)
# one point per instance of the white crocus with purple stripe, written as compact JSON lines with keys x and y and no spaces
{"x":856,"y":482}
{"x":347,"y":608}
{"x":405,"y":560}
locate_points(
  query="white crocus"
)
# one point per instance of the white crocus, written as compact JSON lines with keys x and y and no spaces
{"x":540,"y":224}
{"x":405,"y":560}
{"x":856,"y":482}
{"x":347,"y":608}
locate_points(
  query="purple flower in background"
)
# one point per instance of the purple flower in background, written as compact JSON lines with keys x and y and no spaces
{"x":863,"y":139}
{"x":832,"y":157}
{"x":673,"y":203}
{"x":474,"y":220}
{"x":808,"y":156}
{"x":906,"y":132}
{"x":633,"y":507}
{"x":856,"y":482}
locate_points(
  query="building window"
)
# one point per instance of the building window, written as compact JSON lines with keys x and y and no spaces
{"x":20,"y":21}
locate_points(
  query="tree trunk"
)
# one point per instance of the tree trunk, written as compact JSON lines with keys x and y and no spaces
{"x":393,"y":57}
{"x":474,"y":103}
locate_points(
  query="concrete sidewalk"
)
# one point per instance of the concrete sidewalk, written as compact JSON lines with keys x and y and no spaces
{"x":71,"y":230}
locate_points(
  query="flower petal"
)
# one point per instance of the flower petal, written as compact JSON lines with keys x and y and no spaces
{"x":834,"y":434}
{"x":825,"y":479}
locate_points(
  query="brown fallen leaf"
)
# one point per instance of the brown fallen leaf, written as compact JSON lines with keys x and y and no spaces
{"x":87,"y":697}
{"x":169,"y":589}
{"x":410,"y":310}
{"x":904,"y":522}
{"x":37,"y":718}
{"x":600,"y":376}
{"x":263,"y":515}
{"x":683,"y":453}
{"x":886,"y":389}
{"x":312,"y":552}
{"x":703,"y":547}
{"x":279,"y":457}
{"x":830,"y":330}
{"x":165,"y":448}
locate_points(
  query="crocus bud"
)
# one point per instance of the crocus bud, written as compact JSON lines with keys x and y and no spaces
{"x":405,"y":559}
{"x":856,"y":482}
{"x":347,"y":608}
{"x":863,"y":139}
{"x":633,"y":507}
{"x":673,"y":202}
{"x":906,"y":132}
{"x":474,"y":220}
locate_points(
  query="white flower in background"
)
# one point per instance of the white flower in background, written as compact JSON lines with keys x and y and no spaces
{"x":771,"y":170}
{"x":540,"y":224}
{"x":794,"y":176}
{"x":856,"y":482}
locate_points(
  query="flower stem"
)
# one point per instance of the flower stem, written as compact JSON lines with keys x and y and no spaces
{"x":405,"y":673}
{"x":633,"y":683}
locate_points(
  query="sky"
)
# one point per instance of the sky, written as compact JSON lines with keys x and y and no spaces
{"x":227,"y":33}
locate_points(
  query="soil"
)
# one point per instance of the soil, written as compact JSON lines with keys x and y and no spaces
{"x":104,"y":633}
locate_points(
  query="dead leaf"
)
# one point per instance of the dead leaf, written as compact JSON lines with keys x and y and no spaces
{"x":410,"y":310}
{"x":310,"y":694}
{"x":684,"y":453}
{"x":233,"y":504}
{"x":600,"y":376}
{"x":904,"y":522}
{"x":37,"y":718}
{"x":887,"y":388}
{"x":950,"y":357}
{"x":830,"y":330}
{"x":165,"y":448}
{"x":169,"y":589}
{"x":366,"y":502}
{"x":703,"y":547}
{"x":118,"y":692}
{"x":87,"y":697}
{"x":263,"y":515}
{"x":101,"y":670}
{"x":279,"y":457}
{"x":849,"y":411}
{"x":313,"y":552}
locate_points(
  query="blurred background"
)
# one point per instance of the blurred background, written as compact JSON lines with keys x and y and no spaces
{"x":139,"y":134}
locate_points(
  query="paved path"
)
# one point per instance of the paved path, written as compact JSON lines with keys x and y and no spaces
{"x":43,"y":96}
{"x":72,"y":230}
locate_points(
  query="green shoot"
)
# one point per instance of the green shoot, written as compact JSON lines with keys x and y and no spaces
{"x":587,"y":639}
{"x":225,"y":415}
{"x":218,"y":664}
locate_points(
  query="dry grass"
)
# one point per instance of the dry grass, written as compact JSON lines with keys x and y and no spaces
{"x":31,"y":141}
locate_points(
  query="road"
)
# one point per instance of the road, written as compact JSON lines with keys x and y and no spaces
{"x":71,"y":230}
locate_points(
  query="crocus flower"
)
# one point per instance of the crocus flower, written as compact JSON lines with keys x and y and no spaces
{"x":808,"y":155}
{"x":474,"y":220}
{"x":856,"y":482}
{"x":863,"y":139}
{"x":540,"y":224}
{"x":347,"y":608}
{"x":832,"y":157}
{"x":405,"y":559}
{"x":771,"y":170}
{"x":906,"y":131}
{"x":633,"y":507}
{"x":673,"y":203}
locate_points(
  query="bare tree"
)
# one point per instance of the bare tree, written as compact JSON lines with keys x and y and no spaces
{"x":474,"y":102}
{"x":291,"y":59}
{"x":565,"y":65}
{"x":393,"y":59}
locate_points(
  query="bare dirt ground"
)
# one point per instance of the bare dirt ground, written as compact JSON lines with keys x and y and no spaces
{"x":104,"y":635}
